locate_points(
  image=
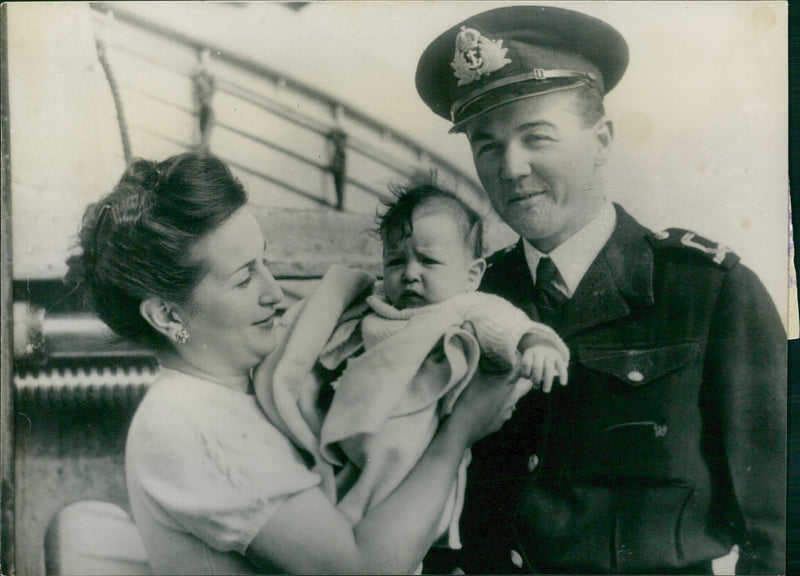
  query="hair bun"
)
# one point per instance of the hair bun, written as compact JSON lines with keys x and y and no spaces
{"x":134,"y":240}
{"x":144,"y":173}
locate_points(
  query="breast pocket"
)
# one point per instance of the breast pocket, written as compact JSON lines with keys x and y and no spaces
{"x":639,"y":365}
{"x":639,"y":410}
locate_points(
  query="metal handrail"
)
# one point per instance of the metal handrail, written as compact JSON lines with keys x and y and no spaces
{"x":288,"y":114}
{"x":261,"y":70}
{"x":360,"y":146}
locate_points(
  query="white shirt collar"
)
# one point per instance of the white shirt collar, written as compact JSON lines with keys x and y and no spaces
{"x":574,"y":256}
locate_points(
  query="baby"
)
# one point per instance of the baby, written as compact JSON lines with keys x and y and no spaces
{"x":432,"y":246}
{"x":416,"y":344}
{"x":399,"y":352}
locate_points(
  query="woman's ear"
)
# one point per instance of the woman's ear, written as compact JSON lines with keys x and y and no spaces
{"x":604,"y":136}
{"x":475,"y":274}
{"x":160,"y":315}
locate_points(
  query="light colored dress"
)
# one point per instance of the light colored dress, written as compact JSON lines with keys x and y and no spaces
{"x":205,"y":472}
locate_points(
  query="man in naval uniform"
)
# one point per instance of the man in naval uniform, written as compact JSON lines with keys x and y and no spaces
{"x":667,"y":446}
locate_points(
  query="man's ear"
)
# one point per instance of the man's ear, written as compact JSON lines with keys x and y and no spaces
{"x":604,"y":136}
{"x":475,"y":274}
{"x":161,"y":316}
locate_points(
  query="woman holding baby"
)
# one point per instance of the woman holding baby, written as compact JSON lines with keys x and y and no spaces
{"x":173,"y":258}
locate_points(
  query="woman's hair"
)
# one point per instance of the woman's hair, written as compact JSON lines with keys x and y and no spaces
{"x":136,"y":241}
{"x":396,"y":222}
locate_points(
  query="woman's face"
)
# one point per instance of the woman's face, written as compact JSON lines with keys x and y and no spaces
{"x":231,"y":315}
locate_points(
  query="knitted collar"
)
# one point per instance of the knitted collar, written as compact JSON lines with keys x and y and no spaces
{"x":377,"y":302}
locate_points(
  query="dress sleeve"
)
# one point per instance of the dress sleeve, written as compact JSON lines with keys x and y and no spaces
{"x":216,"y":475}
{"x":746,"y":403}
{"x":499,"y":326}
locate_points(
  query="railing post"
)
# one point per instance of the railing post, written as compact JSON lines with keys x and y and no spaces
{"x":203,"y":88}
{"x":100,"y":46}
{"x":338,"y":164}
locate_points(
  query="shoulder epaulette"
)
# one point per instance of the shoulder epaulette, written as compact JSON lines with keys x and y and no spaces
{"x":720,"y":255}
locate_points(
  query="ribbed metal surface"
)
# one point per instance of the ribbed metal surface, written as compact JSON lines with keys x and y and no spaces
{"x":65,"y":388}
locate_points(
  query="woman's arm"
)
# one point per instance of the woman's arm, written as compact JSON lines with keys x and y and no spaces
{"x":308,"y":535}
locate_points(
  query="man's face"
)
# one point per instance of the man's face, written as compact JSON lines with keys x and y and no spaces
{"x":538,"y":163}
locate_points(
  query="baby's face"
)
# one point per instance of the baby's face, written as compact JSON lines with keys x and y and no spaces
{"x":428,"y":266}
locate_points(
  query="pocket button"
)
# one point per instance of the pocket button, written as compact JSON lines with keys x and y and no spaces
{"x":635,"y":376}
{"x":516,"y":559}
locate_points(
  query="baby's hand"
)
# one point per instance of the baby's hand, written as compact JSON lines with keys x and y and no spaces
{"x":541,"y":364}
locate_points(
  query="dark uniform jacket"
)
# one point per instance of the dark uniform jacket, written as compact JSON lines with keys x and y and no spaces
{"x":667,"y":446}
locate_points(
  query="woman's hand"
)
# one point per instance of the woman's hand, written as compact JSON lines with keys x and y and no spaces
{"x":486,"y":404}
{"x":307,"y":535}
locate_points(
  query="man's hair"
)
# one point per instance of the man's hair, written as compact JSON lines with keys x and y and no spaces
{"x":396,"y":222}
{"x":590,"y":105}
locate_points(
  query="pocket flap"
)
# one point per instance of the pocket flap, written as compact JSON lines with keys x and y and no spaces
{"x":638,"y":365}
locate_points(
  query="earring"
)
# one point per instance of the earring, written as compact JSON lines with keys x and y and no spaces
{"x":181,"y":336}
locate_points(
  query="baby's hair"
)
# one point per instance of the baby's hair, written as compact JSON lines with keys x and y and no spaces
{"x":408,"y":197}
{"x":136,"y":241}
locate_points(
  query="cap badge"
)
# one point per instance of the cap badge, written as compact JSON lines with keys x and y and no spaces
{"x":476,"y":56}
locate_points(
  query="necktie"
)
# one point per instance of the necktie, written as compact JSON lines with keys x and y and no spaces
{"x":547,"y":297}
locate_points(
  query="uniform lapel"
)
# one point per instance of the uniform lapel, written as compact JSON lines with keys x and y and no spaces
{"x":597,"y":300}
{"x":621,"y":273}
